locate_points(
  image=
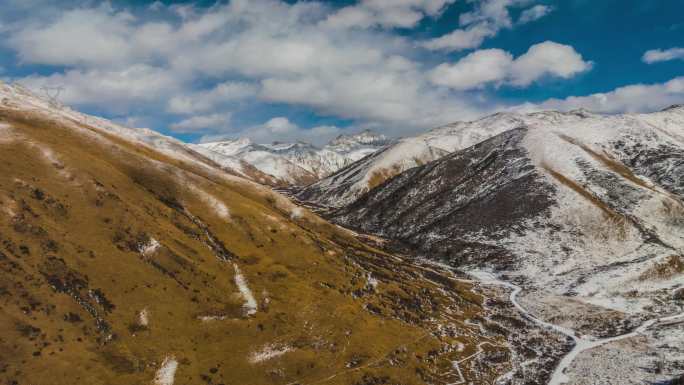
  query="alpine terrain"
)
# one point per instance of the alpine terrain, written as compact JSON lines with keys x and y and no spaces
{"x":582,"y":215}
{"x":349,"y":183}
{"x":128,"y":258}
{"x":300,"y":163}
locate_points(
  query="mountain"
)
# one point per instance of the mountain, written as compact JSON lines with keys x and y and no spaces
{"x":359,"y":145}
{"x":300,"y":163}
{"x":263,"y":158}
{"x":583,"y":211}
{"x":128,"y":258}
{"x":347,"y":184}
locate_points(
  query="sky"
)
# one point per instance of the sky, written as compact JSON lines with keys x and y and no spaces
{"x":276,"y":70}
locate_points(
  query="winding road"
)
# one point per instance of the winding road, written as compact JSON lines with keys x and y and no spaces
{"x":581,"y":343}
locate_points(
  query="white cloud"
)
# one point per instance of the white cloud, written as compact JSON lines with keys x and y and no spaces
{"x":386,"y":13}
{"x":547,"y":58}
{"x":475,"y":70}
{"x":96,"y":36}
{"x":657,"y":55}
{"x":495,"y":66}
{"x":204,"y":101}
{"x":534,"y":13}
{"x":631,"y":98}
{"x":485,"y":21}
{"x":461,"y":39}
{"x":280,"y":129}
{"x":213,"y":122}
{"x":115,"y":91}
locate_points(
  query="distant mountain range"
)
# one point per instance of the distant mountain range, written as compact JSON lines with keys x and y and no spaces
{"x":298,"y":163}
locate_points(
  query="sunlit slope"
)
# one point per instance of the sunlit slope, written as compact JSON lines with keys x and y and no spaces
{"x":120,"y":264}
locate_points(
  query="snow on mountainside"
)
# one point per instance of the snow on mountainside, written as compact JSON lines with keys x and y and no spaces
{"x":584,"y":211}
{"x":301,"y":163}
{"x":263,"y":158}
{"x":357,"y":146}
{"x":346,"y":185}
{"x":18,"y":98}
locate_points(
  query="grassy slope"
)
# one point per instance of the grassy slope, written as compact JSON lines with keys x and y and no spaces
{"x":76,"y":211}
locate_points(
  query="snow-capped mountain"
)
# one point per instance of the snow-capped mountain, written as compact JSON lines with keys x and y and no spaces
{"x":584,"y":211}
{"x":357,"y":146}
{"x":346,"y":185}
{"x":301,"y":163}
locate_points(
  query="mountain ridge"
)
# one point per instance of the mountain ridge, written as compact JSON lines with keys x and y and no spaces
{"x":301,"y":163}
{"x":586,"y":215}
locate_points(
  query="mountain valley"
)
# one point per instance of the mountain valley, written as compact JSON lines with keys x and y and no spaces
{"x":501,"y":262}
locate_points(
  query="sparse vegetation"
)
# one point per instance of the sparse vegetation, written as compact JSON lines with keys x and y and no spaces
{"x":75,"y":270}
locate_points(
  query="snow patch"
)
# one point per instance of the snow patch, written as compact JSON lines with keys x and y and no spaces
{"x":268,"y":352}
{"x":144,"y":317}
{"x":250,"y":305}
{"x":297,"y":213}
{"x":218,"y":207}
{"x":51,"y":157}
{"x":167,"y":372}
{"x":150,"y":247}
{"x":372,"y":282}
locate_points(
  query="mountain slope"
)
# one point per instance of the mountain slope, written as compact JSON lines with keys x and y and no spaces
{"x":348,"y":184}
{"x":121,"y":263}
{"x":300,"y":163}
{"x":586,"y":214}
{"x":284,"y":171}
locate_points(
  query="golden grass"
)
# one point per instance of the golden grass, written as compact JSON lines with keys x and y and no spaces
{"x":308,"y":276}
{"x":671,"y":267}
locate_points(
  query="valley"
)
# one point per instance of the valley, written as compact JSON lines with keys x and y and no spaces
{"x":157,"y":263}
{"x":129,"y":261}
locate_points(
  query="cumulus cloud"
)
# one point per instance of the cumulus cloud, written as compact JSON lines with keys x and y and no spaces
{"x":547,"y":58}
{"x":534,"y":13}
{"x":658,"y":55}
{"x":475,"y":70}
{"x":96,"y":36}
{"x":461,"y":39}
{"x":384,"y":13}
{"x":203,"y":101}
{"x":202,"y":122}
{"x":112,"y":90}
{"x":631,"y":98}
{"x":280,"y":129}
{"x":496,"y":66}
{"x":485,"y":21}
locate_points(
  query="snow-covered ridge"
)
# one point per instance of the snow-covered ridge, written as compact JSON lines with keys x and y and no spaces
{"x":348,"y":184}
{"x":584,"y":211}
{"x":18,"y":98}
{"x":301,"y":163}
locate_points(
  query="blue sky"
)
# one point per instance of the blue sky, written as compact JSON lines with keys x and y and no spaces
{"x":286,"y":70}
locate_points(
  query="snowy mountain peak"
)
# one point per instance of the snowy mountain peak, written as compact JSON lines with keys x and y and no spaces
{"x":229,"y":147}
{"x":289,"y":147}
{"x":366,"y":136}
{"x":300,"y":163}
